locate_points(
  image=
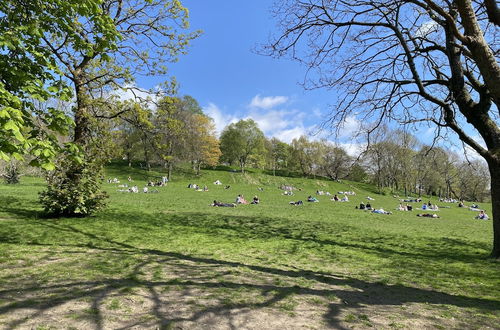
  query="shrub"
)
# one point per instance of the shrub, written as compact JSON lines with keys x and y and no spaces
{"x":12,"y":174}
{"x":74,"y":189}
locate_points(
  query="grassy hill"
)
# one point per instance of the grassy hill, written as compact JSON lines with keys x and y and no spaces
{"x":170,"y":260}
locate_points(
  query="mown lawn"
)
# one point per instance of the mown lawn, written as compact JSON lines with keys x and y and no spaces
{"x":169,"y":260}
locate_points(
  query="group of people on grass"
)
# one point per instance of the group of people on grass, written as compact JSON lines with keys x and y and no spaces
{"x":239,"y":200}
{"x":197,"y":187}
{"x":288,"y":190}
{"x":336,"y":198}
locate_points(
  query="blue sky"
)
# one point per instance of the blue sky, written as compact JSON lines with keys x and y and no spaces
{"x":231,"y":81}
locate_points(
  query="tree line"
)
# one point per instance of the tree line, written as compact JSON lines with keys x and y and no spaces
{"x":177,"y":132}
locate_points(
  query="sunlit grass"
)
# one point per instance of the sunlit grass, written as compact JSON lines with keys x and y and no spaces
{"x":174,"y":240}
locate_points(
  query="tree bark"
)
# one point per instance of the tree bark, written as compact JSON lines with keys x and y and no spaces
{"x":169,"y":173}
{"x":81,"y":112}
{"x":494,"y":167}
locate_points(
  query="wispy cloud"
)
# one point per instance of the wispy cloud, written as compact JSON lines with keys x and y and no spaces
{"x":267,"y":102}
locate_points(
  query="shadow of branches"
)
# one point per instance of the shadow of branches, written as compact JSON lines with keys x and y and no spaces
{"x":162,"y":288}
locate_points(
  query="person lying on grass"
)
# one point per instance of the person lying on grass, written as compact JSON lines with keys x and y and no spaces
{"x":428,"y":215}
{"x":220,"y":204}
{"x":381,"y":211}
{"x":312,"y":199}
{"x":482,"y":216}
{"x":296,"y":203}
{"x":255,"y":200}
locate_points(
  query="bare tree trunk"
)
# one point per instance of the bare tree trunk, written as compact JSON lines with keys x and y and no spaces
{"x":495,"y":202}
{"x":81,"y":113}
{"x":169,"y":173}
{"x":242,"y":165}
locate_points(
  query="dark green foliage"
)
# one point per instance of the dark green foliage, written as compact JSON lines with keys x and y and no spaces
{"x":73,"y":189}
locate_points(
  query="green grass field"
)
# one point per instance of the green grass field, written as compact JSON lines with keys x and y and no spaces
{"x":169,"y":260}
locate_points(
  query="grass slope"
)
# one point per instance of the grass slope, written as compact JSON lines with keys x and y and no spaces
{"x":169,"y":260}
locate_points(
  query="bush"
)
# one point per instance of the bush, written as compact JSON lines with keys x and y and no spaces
{"x":12,"y":174}
{"x":74,"y":189}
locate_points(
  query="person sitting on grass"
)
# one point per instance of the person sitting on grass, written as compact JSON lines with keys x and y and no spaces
{"x":409,"y":207}
{"x":205,"y":188}
{"x":296,"y":203}
{"x":401,"y":207}
{"x":312,"y":199}
{"x":335,"y":198}
{"x":255,"y":200}
{"x":344,"y":199}
{"x":362,"y":206}
{"x":368,"y":206}
{"x":428,"y":215}
{"x":145,"y":190}
{"x":241,"y":200}
{"x":482,"y":216}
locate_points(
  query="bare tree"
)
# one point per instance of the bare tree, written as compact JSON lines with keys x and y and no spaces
{"x":409,"y":62}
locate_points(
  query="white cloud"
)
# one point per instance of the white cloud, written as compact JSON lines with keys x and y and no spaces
{"x":353,"y":149}
{"x":267,"y":102}
{"x":349,"y":127}
{"x":275,"y":120}
{"x":287,"y":135}
{"x":134,"y":93}
{"x":221,"y":120}
{"x":426,"y":28}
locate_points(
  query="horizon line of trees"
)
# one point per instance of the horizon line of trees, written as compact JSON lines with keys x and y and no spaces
{"x":176,"y":131}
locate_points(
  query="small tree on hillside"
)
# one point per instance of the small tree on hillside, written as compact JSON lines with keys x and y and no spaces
{"x":241,"y":140}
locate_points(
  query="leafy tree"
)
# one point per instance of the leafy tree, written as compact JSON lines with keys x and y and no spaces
{"x":279,"y":153}
{"x":99,"y":47}
{"x":336,"y":162}
{"x":241,"y":140}
{"x":29,"y":73}
{"x":357,"y":172}
{"x":473,"y":181}
{"x":307,"y":156}
{"x":169,"y":132}
{"x":203,"y":146}
{"x":406,"y":62}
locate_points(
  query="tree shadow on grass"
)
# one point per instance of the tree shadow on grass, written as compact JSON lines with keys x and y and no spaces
{"x":183,"y":277}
